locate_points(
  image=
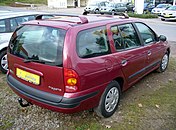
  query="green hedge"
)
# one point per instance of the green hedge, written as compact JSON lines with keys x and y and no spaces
{"x":11,"y":2}
{"x":145,"y":16}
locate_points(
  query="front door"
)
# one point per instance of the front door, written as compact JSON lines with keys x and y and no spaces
{"x":153,"y":47}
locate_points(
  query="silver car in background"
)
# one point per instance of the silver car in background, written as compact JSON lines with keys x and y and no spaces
{"x":160,"y":8}
{"x":8,"y":23}
{"x":169,"y":14}
{"x":94,"y":7}
{"x":113,"y":8}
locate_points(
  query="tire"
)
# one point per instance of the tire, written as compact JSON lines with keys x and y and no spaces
{"x":3,"y":61}
{"x":97,"y":11}
{"x":162,"y":19}
{"x":113,"y":90}
{"x":113,"y":12}
{"x":164,"y":63}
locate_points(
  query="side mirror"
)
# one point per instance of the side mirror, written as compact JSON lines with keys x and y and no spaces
{"x":162,"y":38}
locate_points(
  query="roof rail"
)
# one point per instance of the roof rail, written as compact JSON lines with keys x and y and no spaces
{"x":125,"y":15}
{"x":83,"y":19}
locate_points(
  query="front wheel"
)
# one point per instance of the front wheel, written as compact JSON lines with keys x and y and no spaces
{"x":164,"y":63}
{"x":109,"y":100}
{"x":96,"y":11}
{"x":3,"y":60}
{"x":162,"y":19}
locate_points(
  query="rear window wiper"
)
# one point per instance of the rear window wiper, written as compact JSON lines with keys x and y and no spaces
{"x":36,"y":60}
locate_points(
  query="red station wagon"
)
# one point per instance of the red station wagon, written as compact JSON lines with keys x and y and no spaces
{"x":74,"y":63}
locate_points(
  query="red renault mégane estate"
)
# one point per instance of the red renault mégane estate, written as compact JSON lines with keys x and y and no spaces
{"x":73,"y":63}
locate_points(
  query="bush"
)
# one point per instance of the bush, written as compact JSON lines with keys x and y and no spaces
{"x":145,"y":16}
{"x":11,"y":2}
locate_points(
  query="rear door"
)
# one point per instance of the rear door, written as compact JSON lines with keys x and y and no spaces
{"x":36,"y":57}
{"x":95,"y":62}
{"x":129,"y":51}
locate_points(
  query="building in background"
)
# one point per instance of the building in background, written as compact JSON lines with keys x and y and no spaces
{"x":66,"y":3}
{"x":81,"y":3}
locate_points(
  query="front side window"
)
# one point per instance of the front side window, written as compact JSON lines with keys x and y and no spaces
{"x":2,"y":26}
{"x":147,"y":34}
{"x":92,"y":42}
{"x":38,"y":43}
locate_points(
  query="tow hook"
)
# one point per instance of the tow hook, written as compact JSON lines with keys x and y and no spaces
{"x":23,"y":103}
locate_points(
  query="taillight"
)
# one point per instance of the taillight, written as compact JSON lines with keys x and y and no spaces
{"x":71,"y":80}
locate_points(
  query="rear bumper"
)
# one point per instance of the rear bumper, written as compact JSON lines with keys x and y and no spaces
{"x":47,"y":100}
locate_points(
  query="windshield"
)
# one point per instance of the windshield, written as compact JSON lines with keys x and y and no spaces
{"x":145,"y":5}
{"x":172,"y":8}
{"x":38,"y":43}
{"x":93,"y":4}
{"x":111,"y":5}
{"x":161,"y":6}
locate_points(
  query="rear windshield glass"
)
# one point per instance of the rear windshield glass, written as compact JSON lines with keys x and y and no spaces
{"x":38,"y":43}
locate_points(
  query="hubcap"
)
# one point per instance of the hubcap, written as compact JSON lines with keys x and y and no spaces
{"x":112,"y":99}
{"x":4,"y":62}
{"x":164,"y":62}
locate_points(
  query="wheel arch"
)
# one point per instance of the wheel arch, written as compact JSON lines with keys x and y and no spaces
{"x":3,"y":49}
{"x":168,"y":51}
{"x":120,"y":80}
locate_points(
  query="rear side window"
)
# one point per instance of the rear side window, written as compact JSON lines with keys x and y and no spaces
{"x":24,"y":19}
{"x":13,"y":24}
{"x":125,"y":37}
{"x":129,"y":35}
{"x":2,"y":26}
{"x":38,"y":43}
{"x":92,"y":42}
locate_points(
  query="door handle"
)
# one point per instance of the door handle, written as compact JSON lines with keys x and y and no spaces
{"x":124,"y":62}
{"x":149,"y":53}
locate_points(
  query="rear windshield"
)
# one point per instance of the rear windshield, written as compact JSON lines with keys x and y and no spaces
{"x":38,"y":43}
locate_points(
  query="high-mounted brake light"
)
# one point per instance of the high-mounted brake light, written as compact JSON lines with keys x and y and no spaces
{"x":71,"y":80}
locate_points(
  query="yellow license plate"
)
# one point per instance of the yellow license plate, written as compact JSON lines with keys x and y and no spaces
{"x":32,"y":78}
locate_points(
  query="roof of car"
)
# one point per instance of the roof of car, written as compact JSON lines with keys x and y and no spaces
{"x":68,"y":21}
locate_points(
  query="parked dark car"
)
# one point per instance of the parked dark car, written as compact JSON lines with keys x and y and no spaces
{"x":130,"y":7}
{"x":148,"y":7}
{"x":113,"y":8}
{"x":77,"y":63}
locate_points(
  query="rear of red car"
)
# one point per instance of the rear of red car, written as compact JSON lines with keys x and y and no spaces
{"x":36,"y":71}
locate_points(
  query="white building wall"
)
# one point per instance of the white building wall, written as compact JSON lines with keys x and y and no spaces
{"x":70,"y":3}
{"x":120,"y":1}
{"x":117,"y":1}
{"x":57,"y":3}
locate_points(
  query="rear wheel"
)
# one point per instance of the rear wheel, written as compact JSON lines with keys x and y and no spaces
{"x":3,"y":60}
{"x":109,"y":100}
{"x":164,"y":63}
